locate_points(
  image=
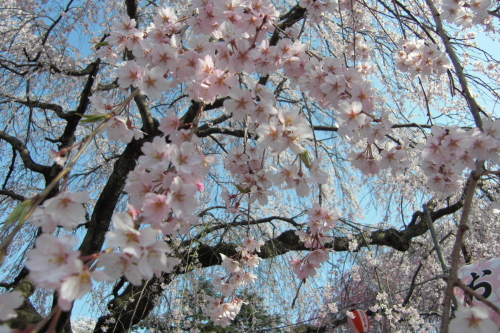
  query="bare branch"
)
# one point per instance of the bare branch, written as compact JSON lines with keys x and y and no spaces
{"x":12,"y":194}
{"x":25,"y":154}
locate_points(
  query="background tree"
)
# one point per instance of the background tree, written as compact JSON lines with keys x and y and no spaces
{"x":250,"y":139}
{"x":185,"y":313}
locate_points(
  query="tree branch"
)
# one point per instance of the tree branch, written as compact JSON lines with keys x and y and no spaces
{"x":12,"y":194}
{"x":48,"y":106}
{"x":25,"y":154}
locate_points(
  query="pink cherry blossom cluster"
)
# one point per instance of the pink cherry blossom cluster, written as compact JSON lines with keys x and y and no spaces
{"x":143,"y":252}
{"x":166,"y":178}
{"x":450,"y":150}
{"x":117,"y":128}
{"x":54,"y":264}
{"x":418,"y":59}
{"x":221,"y":312}
{"x":357,"y":49}
{"x":369,"y":163}
{"x":332,"y":84}
{"x":316,"y":9}
{"x":254,"y":180}
{"x":278,"y":129}
{"x":291,"y":177}
{"x":250,"y":177}
{"x":354,"y":15}
{"x":319,"y":223}
{"x":9,"y":302}
{"x":163,"y":185}
{"x":286,"y":129}
{"x":466,"y":13}
{"x":162,"y":62}
{"x":329,"y":82}
{"x":471,"y":320}
{"x":65,"y":209}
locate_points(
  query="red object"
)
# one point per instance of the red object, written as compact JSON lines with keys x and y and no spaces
{"x":360,"y":323}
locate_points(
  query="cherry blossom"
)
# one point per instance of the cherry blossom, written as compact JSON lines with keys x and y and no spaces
{"x":130,"y":74}
{"x":153,"y":83}
{"x":74,"y":287}
{"x":52,"y":260}
{"x":474,"y":319}
{"x":285,"y":112}
{"x":9,"y":302}
{"x":169,"y":124}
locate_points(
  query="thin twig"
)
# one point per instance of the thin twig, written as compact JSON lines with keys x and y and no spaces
{"x":480,"y":297}
{"x":437,"y":247}
{"x":455,"y":253}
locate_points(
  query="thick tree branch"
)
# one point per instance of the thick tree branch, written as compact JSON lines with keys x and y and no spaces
{"x":26,"y":314}
{"x":105,"y":205}
{"x":68,"y":137}
{"x":335,"y":129}
{"x":226,"y":131}
{"x":107,"y":86}
{"x":189,"y":116}
{"x":58,"y":110}
{"x":132,"y":305}
{"x":289,"y":241}
{"x":214,"y":122}
{"x":25,"y":154}
{"x":89,"y":69}
{"x":12,"y":194}
{"x":209,"y":255}
{"x":205,"y":130}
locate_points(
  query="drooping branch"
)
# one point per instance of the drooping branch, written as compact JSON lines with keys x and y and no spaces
{"x":49,"y":30}
{"x":214,"y":122}
{"x":459,"y":70}
{"x":238,"y":224}
{"x":190,"y":114}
